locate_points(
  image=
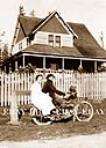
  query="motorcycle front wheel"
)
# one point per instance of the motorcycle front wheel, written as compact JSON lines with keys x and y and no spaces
{"x":83,"y":111}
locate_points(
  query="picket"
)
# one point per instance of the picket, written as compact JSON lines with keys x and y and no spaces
{"x":88,"y":85}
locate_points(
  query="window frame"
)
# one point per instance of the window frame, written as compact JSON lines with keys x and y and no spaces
{"x":54,"y":40}
{"x":58,"y":40}
{"x":20,"y":46}
{"x":51,"y":39}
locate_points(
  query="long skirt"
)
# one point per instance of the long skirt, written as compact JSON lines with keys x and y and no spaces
{"x":43,"y":102}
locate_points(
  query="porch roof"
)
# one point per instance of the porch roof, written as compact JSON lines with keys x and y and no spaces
{"x":50,"y":50}
{"x":66,"y":51}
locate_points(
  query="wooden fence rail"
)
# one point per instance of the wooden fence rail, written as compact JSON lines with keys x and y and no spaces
{"x":92,"y":86}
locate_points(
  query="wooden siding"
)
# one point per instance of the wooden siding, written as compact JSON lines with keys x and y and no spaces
{"x":41,"y":37}
{"x":53,"y":25}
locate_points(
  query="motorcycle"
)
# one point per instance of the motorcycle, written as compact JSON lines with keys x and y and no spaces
{"x":79,"y":110}
{"x":65,"y":111}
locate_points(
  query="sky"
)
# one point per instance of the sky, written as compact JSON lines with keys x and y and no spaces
{"x":90,"y":12}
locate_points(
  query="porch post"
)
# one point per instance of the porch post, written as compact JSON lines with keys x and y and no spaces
{"x":5,"y":68}
{"x":63,"y":64}
{"x":44,"y":62}
{"x":23,"y":61}
{"x":16,"y":65}
{"x":80,"y":63}
{"x":95,"y":66}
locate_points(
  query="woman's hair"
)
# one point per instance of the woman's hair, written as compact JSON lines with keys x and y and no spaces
{"x":40,"y":75}
{"x":50,"y":75}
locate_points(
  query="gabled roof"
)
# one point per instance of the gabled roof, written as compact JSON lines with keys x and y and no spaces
{"x":85,"y":44}
{"x":27,"y":24}
{"x":48,"y":18}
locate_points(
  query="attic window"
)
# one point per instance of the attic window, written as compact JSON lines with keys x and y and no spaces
{"x":51,"y":40}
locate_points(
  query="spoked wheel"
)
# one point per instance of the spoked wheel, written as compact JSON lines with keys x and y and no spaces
{"x":84,"y":111}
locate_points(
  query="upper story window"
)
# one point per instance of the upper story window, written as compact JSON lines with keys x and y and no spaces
{"x":51,"y":40}
{"x":20,"y":46}
{"x":54,"y":40}
{"x":58,"y":41}
{"x":27,"y":41}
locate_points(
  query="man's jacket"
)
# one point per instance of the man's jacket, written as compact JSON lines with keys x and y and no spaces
{"x":48,"y":87}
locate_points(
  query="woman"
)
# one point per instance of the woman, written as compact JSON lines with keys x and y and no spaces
{"x":39,"y":99}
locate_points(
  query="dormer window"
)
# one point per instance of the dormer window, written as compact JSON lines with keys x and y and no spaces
{"x":51,"y":40}
{"x":58,"y":41}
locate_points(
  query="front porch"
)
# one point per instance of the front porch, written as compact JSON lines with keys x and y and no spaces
{"x":52,"y":62}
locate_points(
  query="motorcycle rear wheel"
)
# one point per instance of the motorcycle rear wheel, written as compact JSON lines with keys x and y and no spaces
{"x":39,"y":122}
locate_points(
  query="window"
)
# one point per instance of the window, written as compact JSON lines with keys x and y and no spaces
{"x":54,"y":40}
{"x":58,"y":41}
{"x":20,"y":46}
{"x":53,"y":66}
{"x":51,"y":40}
{"x":27,"y":41}
{"x":74,"y":37}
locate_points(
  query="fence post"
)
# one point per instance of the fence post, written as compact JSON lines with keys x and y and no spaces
{"x":97,"y":87}
{"x":13,"y":110}
{"x":92,"y":85}
{"x":2,"y":88}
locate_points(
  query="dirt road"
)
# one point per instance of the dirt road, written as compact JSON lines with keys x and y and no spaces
{"x":81,"y":141}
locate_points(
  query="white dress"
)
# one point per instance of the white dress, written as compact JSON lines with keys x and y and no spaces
{"x":41,"y":100}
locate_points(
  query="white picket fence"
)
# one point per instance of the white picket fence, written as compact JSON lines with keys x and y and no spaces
{"x":92,"y":86}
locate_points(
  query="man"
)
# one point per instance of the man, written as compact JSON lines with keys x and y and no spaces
{"x":49,"y":87}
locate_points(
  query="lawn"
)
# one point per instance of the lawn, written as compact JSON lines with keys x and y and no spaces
{"x":28,"y":131}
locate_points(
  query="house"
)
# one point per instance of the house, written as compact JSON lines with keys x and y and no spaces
{"x":51,"y":42}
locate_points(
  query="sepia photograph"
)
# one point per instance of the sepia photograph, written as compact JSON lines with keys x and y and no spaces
{"x":52,"y":74}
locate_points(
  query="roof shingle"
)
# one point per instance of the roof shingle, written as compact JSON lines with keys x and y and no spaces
{"x":28,"y":24}
{"x":86,"y":43}
{"x":62,"y":51}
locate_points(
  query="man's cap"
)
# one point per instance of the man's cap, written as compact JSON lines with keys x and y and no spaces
{"x":50,"y":75}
